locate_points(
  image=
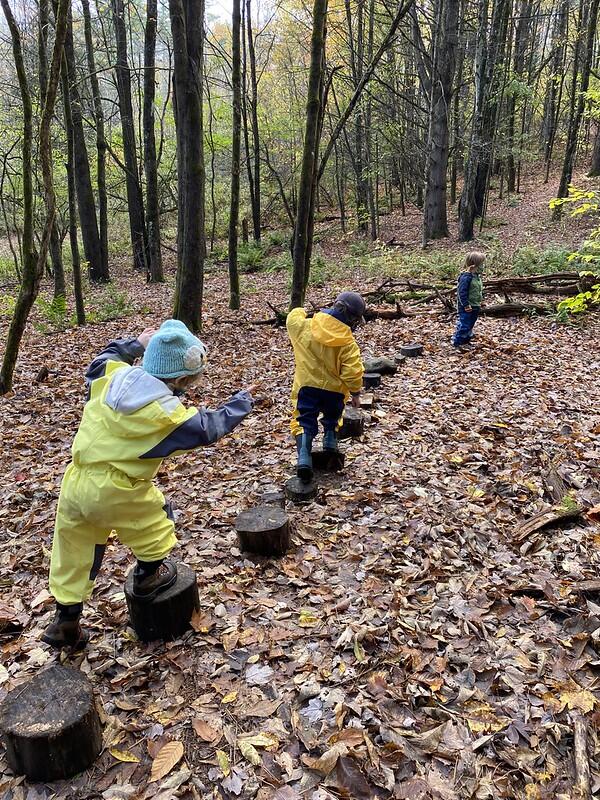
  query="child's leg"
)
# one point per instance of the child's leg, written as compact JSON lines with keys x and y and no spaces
{"x":474,"y":317}
{"x":332,"y":407}
{"x":463,"y":326}
{"x":306,"y":412}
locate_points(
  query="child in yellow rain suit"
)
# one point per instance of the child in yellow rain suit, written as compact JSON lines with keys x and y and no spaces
{"x":329,"y":370}
{"x":131,"y":421}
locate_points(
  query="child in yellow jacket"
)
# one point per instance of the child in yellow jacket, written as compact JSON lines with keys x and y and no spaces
{"x":329,"y":370}
{"x":132,"y":420}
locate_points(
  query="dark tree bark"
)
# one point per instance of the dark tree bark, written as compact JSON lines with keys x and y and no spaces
{"x":488,"y":57}
{"x":595,"y":165}
{"x":555,"y":82}
{"x":72,"y":195}
{"x":522,"y":37}
{"x":256,"y":212}
{"x":234,"y":209}
{"x":578,"y":106}
{"x":187,"y":26}
{"x":135,"y":200}
{"x":98,"y":270}
{"x":33,"y":263}
{"x":155,"y":268}
{"x":58,"y":271}
{"x":305,"y":213}
{"x":445,"y":38}
{"x":100,"y":136}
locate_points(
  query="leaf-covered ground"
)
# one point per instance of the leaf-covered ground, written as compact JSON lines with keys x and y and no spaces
{"x":414,"y":643}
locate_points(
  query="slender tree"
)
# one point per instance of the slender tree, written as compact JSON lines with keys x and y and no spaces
{"x":187,"y":26}
{"x":33,"y":263}
{"x":135,"y":201}
{"x":100,"y":135}
{"x":98,"y":269}
{"x":234,"y":209}
{"x":305,"y":213}
{"x":443,"y":63}
{"x":155,"y":268}
{"x":254,"y":121}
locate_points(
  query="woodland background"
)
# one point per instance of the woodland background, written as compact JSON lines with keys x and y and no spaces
{"x":423,"y":638}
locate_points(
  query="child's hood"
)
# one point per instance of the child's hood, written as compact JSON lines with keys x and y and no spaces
{"x":133,"y":388}
{"x":329,"y":331}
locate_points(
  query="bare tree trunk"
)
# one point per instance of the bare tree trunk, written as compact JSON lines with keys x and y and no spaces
{"x":100,"y":136}
{"x":305,"y":213}
{"x":595,"y":165}
{"x":155,"y":268}
{"x":522,"y":34}
{"x":55,"y":245}
{"x":33,"y":263}
{"x":71,"y":191}
{"x":98,"y":269}
{"x":234,"y":209}
{"x":578,"y":96}
{"x":435,"y":218}
{"x":135,"y":200}
{"x":187,"y":26}
{"x":254,"y":120}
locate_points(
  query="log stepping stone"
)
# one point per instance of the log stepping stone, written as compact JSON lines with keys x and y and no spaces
{"x":328,"y":460}
{"x":371,"y":380}
{"x":264,"y":530}
{"x":382,"y":365}
{"x":273,"y":497}
{"x":411,"y":350}
{"x":299,"y":492}
{"x":168,"y":615}
{"x":353,"y":424}
{"x":50,"y":725}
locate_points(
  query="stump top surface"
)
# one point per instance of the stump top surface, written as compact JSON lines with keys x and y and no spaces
{"x":353,"y":413}
{"x":298,"y":490}
{"x":52,"y":701}
{"x":261,"y":518}
{"x":185,"y":577}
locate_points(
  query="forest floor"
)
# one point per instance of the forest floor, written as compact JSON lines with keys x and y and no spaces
{"x":415,"y":642}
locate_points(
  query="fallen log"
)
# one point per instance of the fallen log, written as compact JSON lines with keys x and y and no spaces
{"x":551,"y":516}
{"x":517,"y":309}
{"x":583,"y":775}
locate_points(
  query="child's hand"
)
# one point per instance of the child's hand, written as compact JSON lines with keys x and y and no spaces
{"x":355,"y":400}
{"x":145,"y":336}
{"x":468,"y":309}
{"x":252,"y":389}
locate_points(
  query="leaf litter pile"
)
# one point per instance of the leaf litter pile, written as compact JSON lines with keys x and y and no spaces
{"x":433,"y":631}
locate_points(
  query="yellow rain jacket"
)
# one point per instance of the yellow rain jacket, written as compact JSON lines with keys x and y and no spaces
{"x":327,"y":356}
{"x":131,"y":422}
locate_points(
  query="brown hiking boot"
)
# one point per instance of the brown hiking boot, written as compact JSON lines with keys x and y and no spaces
{"x":65,"y":633}
{"x":146,"y":587}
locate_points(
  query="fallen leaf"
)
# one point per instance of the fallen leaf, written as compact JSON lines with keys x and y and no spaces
{"x":229,"y":698}
{"x":123,"y":755}
{"x":166,"y":758}
{"x":250,"y":753}
{"x":223,"y":760}
{"x":581,"y":699}
{"x":205,"y":731}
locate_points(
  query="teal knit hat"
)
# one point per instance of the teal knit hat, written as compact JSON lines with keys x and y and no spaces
{"x":174,"y":351}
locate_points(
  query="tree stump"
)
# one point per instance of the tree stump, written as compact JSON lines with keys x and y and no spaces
{"x":353,"y":425}
{"x":328,"y":460}
{"x":366,"y":400}
{"x":273,"y":497}
{"x":299,"y":492}
{"x":168,"y":615}
{"x":381,"y":365}
{"x":50,"y":725}
{"x":371,"y":380}
{"x":264,"y":530}
{"x":411,"y":350}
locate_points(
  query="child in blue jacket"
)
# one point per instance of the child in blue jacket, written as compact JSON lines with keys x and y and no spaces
{"x":132,"y":420}
{"x":469,"y":298}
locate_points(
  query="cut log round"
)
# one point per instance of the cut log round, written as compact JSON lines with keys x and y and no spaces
{"x":353,"y":424}
{"x":371,"y":380}
{"x":381,"y":365}
{"x":299,"y":492}
{"x":328,"y":460}
{"x":264,"y":530}
{"x":168,"y":615}
{"x":50,"y":725}
{"x":274,"y":497}
{"x":411,"y":350}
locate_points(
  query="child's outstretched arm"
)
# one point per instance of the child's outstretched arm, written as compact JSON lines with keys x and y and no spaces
{"x":204,"y":427}
{"x":125,"y":350}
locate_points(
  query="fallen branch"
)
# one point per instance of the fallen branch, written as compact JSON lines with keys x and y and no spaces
{"x":583,"y":789}
{"x":517,"y":309}
{"x":551,"y":516}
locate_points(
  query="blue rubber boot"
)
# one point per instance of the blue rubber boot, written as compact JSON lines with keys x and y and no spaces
{"x":330,"y":441}
{"x":304,"y":469}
